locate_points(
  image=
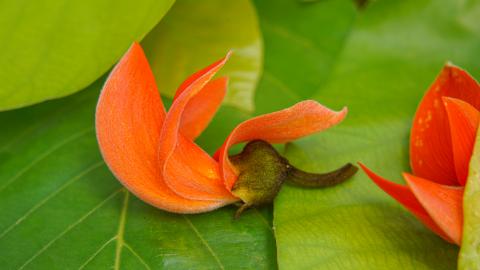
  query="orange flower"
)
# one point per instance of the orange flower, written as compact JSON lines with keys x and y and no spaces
{"x":152,"y":152}
{"x":441,"y":145}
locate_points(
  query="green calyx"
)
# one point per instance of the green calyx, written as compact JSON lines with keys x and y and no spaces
{"x":262,"y":172}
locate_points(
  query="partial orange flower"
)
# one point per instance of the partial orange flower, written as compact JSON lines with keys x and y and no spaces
{"x":152,"y":152}
{"x":441,"y":145}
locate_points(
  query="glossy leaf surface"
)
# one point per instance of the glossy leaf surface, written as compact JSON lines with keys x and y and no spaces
{"x":53,"y":48}
{"x":194,"y":32}
{"x":62,"y":207}
{"x":379,"y":62}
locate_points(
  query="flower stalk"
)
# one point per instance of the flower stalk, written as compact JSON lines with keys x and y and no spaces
{"x":262,"y":172}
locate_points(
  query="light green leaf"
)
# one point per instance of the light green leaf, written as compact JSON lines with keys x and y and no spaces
{"x":469,"y":258}
{"x":61,"y":208}
{"x":195,"y":33}
{"x":53,"y":48}
{"x":379,"y":67}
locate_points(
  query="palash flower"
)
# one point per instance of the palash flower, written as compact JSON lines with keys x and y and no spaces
{"x":153,"y":154}
{"x":441,"y":145}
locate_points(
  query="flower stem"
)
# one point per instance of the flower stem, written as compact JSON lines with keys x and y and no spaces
{"x":318,"y":180}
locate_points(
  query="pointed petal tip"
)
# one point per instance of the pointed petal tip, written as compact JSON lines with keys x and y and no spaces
{"x":450,"y":101}
{"x":407,"y":176}
{"x":456,"y":102}
{"x":378,"y":180}
{"x":344,"y":111}
{"x":336,"y":116}
{"x":449,"y":64}
{"x":135,"y":44}
{"x":362,"y":166}
{"x":446,"y":100}
{"x":369,"y":172}
{"x":134,"y":47}
{"x":450,"y":68}
{"x":457,"y":73}
{"x":229,"y":54}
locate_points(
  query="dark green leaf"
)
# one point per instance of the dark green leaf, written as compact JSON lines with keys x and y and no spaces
{"x":61,"y":208}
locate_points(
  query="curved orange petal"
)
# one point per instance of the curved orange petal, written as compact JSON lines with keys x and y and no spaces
{"x":186,"y":168}
{"x":405,"y":197}
{"x":129,"y":118}
{"x":431,"y":154}
{"x":302,"y":119}
{"x":202,"y":107}
{"x":463,"y":121}
{"x":443,"y":203}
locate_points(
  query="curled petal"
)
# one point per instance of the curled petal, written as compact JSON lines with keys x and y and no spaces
{"x":302,"y":119}
{"x":202,"y":107}
{"x":129,"y":118}
{"x":405,"y":197}
{"x":431,"y":154}
{"x":463,"y":121}
{"x":186,"y":168}
{"x":443,"y":203}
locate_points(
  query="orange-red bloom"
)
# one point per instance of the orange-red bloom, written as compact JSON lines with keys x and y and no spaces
{"x":152,"y":152}
{"x":441,"y":145}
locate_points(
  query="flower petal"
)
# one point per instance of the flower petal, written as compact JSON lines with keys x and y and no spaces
{"x":302,"y":119}
{"x":405,"y":197}
{"x":443,"y":203}
{"x":463,"y":121}
{"x":202,"y":107}
{"x":129,"y":118}
{"x":186,"y":168}
{"x":431,"y":154}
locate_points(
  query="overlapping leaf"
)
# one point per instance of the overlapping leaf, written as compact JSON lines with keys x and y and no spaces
{"x":469,"y":258}
{"x":387,"y":59}
{"x":54,"y":48}
{"x":194,"y":32}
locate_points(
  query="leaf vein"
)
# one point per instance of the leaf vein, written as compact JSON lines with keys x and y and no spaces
{"x":50,"y":196}
{"x":96,"y":253}
{"x":137,"y":255}
{"x":204,"y":242}
{"x":70,"y":227}
{"x":43,"y":156}
{"x":121,"y":230}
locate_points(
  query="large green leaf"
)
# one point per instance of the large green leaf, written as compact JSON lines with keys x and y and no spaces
{"x":53,"y":48}
{"x":392,"y":52}
{"x":469,"y":258}
{"x":195,"y":32}
{"x":61,"y":208}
